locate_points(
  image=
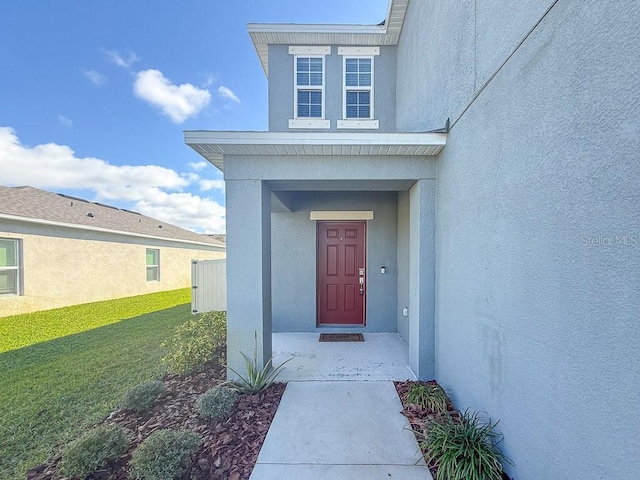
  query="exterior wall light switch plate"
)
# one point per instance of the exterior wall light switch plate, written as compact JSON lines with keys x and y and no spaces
{"x":405,"y":312}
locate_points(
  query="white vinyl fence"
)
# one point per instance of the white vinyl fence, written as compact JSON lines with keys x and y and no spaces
{"x":209,"y":285}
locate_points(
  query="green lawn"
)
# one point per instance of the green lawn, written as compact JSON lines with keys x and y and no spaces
{"x":72,"y":367}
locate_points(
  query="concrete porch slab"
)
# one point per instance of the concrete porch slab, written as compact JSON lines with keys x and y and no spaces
{"x":340,"y":430}
{"x":382,"y":356}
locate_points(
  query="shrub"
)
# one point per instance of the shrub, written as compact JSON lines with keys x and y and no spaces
{"x":216,"y":402}
{"x":465,"y":449}
{"x":164,"y":455}
{"x":196,"y":342}
{"x":93,"y":450}
{"x":427,"y":396}
{"x":141,"y":396}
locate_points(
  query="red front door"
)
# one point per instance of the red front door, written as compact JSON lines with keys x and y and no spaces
{"x":341,"y":273}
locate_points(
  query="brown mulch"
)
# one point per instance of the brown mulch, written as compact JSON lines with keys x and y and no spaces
{"x":229,"y":448}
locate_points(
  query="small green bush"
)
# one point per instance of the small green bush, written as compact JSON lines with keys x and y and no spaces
{"x":465,"y":449}
{"x":196,"y":342}
{"x":216,"y":402}
{"x":93,"y":450}
{"x":164,"y":455}
{"x":427,"y":396}
{"x":141,"y":396}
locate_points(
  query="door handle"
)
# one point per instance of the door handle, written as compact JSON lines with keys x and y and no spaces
{"x":361,"y":285}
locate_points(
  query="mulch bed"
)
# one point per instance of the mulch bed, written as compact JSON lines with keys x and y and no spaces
{"x":422,"y":418}
{"x":230,"y":447}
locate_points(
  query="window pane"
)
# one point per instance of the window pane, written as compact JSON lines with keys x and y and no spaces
{"x":363,"y":98}
{"x":316,"y":79}
{"x":303,"y":96}
{"x":365,"y":80}
{"x":351,"y":65}
{"x":8,"y":253}
{"x":352,"y":97}
{"x":352,"y":111}
{"x":352,"y":79}
{"x":152,"y":274}
{"x":8,"y":282}
{"x":303,"y":79}
{"x":364,"y":112}
{"x":365,"y":65}
{"x":315,"y":64}
{"x":303,"y":64}
{"x":152,"y":256}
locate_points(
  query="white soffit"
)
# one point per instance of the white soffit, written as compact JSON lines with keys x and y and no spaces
{"x":341,"y":215}
{"x":214,"y":145}
{"x":265,"y":34}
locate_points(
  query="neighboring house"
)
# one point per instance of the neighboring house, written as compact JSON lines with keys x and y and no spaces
{"x":505,"y":251}
{"x":57,"y":250}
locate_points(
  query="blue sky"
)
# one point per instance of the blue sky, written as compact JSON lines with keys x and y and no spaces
{"x":94,"y":95}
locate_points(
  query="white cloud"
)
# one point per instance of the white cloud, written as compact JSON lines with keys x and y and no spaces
{"x":152,"y":190}
{"x":227,"y":93}
{"x":179,"y":102}
{"x":206,"y":185}
{"x":121,"y":60}
{"x":197,"y":166}
{"x":67,"y":122}
{"x":94,"y":77}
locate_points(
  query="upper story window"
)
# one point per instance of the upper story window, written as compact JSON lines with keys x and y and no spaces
{"x":153,"y":265}
{"x":358,"y":88}
{"x":309,"y":87}
{"x":10,"y":267}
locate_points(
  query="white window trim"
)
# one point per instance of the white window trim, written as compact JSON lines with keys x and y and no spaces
{"x":309,"y":52}
{"x":358,"y":123}
{"x":157,"y":266}
{"x":17,"y":268}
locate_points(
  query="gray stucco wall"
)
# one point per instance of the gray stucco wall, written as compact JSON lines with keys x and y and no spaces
{"x":537,"y":303}
{"x":293,"y":239}
{"x":403,"y":265}
{"x":281,"y":88}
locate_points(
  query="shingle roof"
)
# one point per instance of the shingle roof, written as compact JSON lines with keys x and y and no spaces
{"x":38,"y":204}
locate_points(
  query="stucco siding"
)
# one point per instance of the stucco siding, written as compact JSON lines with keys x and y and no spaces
{"x":294,"y":259}
{"x":538,"y":230}
{"x":64,"y":267}
{"x":281,"y":88}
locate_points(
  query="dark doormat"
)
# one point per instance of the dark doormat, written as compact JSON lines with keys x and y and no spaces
{"x":341,"y":337}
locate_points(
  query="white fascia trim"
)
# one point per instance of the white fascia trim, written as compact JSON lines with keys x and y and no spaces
{"x":359,"y":51}
{"x":314,"y":28}
{"x":315,"y":138}
{"x":75,"y":226}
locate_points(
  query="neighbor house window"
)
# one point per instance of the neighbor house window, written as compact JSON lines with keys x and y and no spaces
{"x":10,"y":267}
{"x":153,"y":265}
{"x":308,"y":86}
{"x":357,"y":87}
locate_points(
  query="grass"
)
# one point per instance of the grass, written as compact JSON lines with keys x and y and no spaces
{"x":67,"y":380}
{"x":19,"y":331}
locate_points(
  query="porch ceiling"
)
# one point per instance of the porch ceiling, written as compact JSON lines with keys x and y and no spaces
{"x":214,"y":145}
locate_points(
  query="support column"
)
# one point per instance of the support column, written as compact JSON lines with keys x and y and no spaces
{"x":422,"y":260}
{"x":248,"y":204}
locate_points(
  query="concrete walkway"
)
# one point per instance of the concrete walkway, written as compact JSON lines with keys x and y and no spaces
{"x":340,"y":430}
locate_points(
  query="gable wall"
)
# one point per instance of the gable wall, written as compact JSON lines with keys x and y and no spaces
{"x":537,"y":302}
